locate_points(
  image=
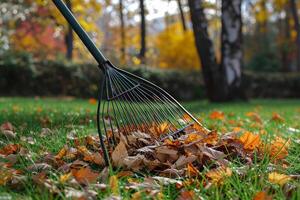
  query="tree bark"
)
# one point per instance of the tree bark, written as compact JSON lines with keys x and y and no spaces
{"x":69,"y":38}
{"x":211,"y":71}
{"x":231,"y":40}
{"x":183,"y":22}
{"x":297,"y":29}
{"x":123,"y":39}
{"x":142,"y":54}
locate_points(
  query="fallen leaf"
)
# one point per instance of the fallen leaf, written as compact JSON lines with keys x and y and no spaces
{"x":217,"y":115}
{"x":65,"y":177}
{"x":217,"y":176}
{"x":10,"y":149}
{"x":62,"y":152}
{"x":8,"y":134}
{"x":7,"y":126}
{"x":45,"y":132}
{"x":85,"y":175}
{"x":118,"y":155}
{"x":250,"y":141}
{"x":92,"y":101}
{"x":192,"y":171}
{"x":262,"y":196}
{"x":254,"y":116}
{"x":39,"y":167}
{"x":187,"y":195}
{"x":279,"y":179}
{"x":276,"y":117}
{"x":114,"y":185}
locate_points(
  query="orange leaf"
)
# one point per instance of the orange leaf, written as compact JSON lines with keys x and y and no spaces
{"x":62,"y":152}
{"x":250,"y":141}
{"x":160,"y":129}
{"x":10,"y":149}
{"x":254,"y":116}
{"x":85,"y":175}
{"x":191,"y":170}
{"x":276,"y":117}
{"x":218,"y":175}
{"x":218,"y":115}
{"x":262,"y":196}
{"x":92,"y":101}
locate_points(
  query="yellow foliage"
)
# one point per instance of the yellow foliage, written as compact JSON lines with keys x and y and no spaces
{"x":177,"y":48}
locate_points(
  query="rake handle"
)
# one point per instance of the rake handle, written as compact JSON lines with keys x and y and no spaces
{"x":82,"y":34}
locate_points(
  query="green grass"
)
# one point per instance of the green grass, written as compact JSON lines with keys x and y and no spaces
{"x":29,"y":115}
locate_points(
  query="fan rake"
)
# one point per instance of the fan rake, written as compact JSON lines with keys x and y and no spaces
{"x":128,"y":103}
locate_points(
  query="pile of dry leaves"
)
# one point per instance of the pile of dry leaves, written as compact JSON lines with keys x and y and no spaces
{"x":74,"y":171}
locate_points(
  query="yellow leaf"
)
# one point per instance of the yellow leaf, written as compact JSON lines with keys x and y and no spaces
{"x":250,"y":141}
{"x":279,"y":179}
{"x":114,"y":185}
{"x":217,"y":176}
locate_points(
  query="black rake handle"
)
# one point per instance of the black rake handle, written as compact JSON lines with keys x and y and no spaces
{"x":85,"y":38}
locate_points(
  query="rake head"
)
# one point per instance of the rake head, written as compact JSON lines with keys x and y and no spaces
{"x":129,"y":104}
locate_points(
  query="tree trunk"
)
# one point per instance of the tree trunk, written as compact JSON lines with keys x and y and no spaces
{"x":231,"y":40}
{"x":143,"y":32}
{"x":123,"y":39}
{"x":297,"y":29}
{"x":212,"y":72}
{"x":69,"y":37}
{"x":183,"y":22}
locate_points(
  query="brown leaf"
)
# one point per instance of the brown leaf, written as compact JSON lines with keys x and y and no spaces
{"x":62,"y":152}
{"x":134,"y":163}
{"x":118,"y":155}
{"x":184,"y":160}
{"x":277,"y":118}
{"x":7,"y":126}
{"x":39,"y":167}
{"x":85,"y":175}
{"x":8,"y":134}
{"x":10,"y":149}
{"x":213,"y":154}
{"x":187,"y":195}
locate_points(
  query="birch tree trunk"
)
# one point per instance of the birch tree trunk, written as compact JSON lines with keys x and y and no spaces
{"x":297,"y":29}
{"x":211,"y":71}
{"x":231,"y":40}
{"x":69,"y":37}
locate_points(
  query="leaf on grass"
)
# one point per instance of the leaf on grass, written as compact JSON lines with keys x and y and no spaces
{"x":187,"y":195}
{"x":7,"y":126}
{"x":45,"y":132}
{"x":65,"y":177}
{"x":62,"y":152}
{"x":114,"y":185}
{"x":279,"y":179}
{"x":118,"y":155}
{"x":85,"y":175}
{"x":192,"y":171}
{"x":10,"y":149}
{"x":250,"y":141}
{"x":217,"y":176}
{"x":8,"y":134}
{"x":262,"y":196}
{"x":279,"y":148}
{"x":39,"y":167}
{"x":217,"y":115}
{"x":254,"y":117}
{"x":277,"y":117}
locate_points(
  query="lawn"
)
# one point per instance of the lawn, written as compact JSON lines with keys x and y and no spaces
{"x":269,"y":118}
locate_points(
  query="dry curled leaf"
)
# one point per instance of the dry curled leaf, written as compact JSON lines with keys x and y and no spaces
{"x":10,"y":149}
{"x":118,"y":155}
